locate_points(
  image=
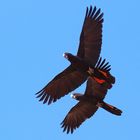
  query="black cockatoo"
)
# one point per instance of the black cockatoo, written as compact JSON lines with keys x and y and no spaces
{"x":86,"y":65}
{"x":88,"y":104}
{"x":83,"y":64}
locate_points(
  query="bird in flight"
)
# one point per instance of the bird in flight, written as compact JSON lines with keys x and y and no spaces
{"x":83,"y":64}
{"x":86,"y":65}
{"x":88,"y":104}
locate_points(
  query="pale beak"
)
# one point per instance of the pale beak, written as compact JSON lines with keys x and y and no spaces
{"x":72,"y":96}
{"x":65,"y":55}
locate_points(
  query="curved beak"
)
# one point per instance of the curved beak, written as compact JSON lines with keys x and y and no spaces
{"x":72,"y":96}
{"x":65,"y":55}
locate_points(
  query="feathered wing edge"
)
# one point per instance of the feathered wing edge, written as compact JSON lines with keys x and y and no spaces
{"x":62,"y":84}
{"x":103,"y":65}
{"x":91,"y":35}
{"x":77,"y":115}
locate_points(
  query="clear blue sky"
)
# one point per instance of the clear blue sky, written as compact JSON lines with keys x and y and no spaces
{"x":33,"y":36}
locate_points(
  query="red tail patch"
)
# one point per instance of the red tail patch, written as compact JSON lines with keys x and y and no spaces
{"x":100,"y":81}
{"x":104,"y":73}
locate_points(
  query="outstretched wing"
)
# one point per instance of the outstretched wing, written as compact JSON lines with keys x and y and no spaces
{"x":84,"y":109}
{"x":91,"y":36}
{"x":78,"y":114}
{"x":62,"y":84}
{"x":96,"y":89}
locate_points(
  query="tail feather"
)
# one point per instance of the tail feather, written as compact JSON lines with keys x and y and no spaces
{"x":103,"y":67}
{"x":111,"y":109}
{"x":111,"y":78}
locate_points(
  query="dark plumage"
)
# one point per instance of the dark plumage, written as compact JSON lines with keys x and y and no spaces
{"x":89,"y":51}
{"x":88,"y":104}
{"x":85,"y":65}
{"x":100,"y":72}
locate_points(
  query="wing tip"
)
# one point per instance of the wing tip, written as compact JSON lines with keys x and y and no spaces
{"x":103,"y":65}
{"x":67,"y":129}
{"x":44,"y":97}
{"x":94,"y":13}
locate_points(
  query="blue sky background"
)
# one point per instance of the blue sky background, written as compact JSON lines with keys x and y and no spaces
{"x":33,"y":36}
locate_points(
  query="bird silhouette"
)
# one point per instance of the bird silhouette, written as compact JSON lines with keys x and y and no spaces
{"x":76,"y":74}
{"x":88,"y":104}
{"x":86,"y":65}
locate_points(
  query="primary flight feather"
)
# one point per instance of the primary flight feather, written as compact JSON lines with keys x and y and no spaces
{"x":88,"y":104}
{"x":87,"y":56}
{"x":86,"y":65}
